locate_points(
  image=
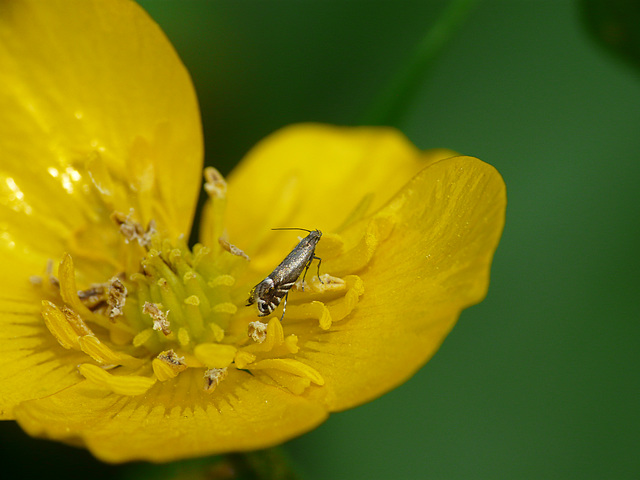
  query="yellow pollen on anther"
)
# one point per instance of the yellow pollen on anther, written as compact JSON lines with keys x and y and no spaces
{"x":142,"y":337}
{"x":222,"y":280}
{"x":183,"y":337}
{"x":226,"y":307}
{"x":218,"y":331}
{"x":192,"y":300}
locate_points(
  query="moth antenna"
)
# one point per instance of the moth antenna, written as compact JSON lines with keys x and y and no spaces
{"x":292,"y":228}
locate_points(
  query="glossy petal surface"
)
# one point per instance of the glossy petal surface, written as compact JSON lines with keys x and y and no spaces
{"x":94,"y":108}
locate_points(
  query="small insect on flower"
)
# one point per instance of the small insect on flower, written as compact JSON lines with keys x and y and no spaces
{"x":269,"y":292}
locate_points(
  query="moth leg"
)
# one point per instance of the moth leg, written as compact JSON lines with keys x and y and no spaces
{"x":319,"y":262}
{"x":284,"y":306}
{"x":306,"y":269}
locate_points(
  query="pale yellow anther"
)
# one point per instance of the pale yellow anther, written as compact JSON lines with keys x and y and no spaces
{"x":218,"y":331}
{"x":357,"y":257}
{"x":291,"y":343}
{"x":316,"y":310}
{"x":289,"y":365}
{"x":128,"y":385}
{"x":225,"y":307}
{"x":215,"y":355}
{"x":333,"y":310}
{"x":243,"y":359}
{"x":222,"y":281}
{"x":168,"y":365}
{"x":343,"y":307}
{"x":295,"y":384}
{"x":101,"y":353}
{"x":275,"y":333}
{"x":190,"y":275}
{"x":183,"y":336}
{"x":76,"y":322}
{"x":175,"y":254}
{"x":192,"y":300}
{"x":68,"y":290}
{"x":142,"y":337}
{"x":59,"y":326}
{"x":327,"y":283}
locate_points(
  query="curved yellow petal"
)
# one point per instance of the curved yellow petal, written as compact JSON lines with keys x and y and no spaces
{"x":174,"y":419}
{"x":34,"y":364}
{"x":97,"y":113}
{"x":314,"y":176}
{"x":435,"y":262}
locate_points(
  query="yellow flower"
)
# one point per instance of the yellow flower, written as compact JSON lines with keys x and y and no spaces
{"x":116,"y":336}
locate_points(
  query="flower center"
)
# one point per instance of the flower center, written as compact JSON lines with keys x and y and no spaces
{"x":175,"y":309}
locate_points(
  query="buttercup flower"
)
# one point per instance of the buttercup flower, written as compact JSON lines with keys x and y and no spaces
{"x":115,"y":335}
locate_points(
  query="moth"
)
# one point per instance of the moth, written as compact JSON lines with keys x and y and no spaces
{"x":269,"y":292}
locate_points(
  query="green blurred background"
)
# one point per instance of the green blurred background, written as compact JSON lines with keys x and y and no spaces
{"x":541,"y":380}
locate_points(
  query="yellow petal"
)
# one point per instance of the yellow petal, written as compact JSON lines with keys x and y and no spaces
{"x":173,"y":420}
{"x":315,"y":176}
{"x":34,"y":364}
{"x":92,"y":89}
{"x":95,"y":109}
{"x":435,"y":262}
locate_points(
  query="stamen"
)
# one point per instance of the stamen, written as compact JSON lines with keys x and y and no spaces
{"x":160,"y":322}
{"x":292,"y":366}
{"x":103,"y":354}
{"x":142,"y":337}
{"x":59,"y":326}
{"x":218,"y":331}
{"x":222,"y":280}
{"x":243,"y":358}
{"x":133,"y":231}
{"x":226,"y":307}
{"x":213,"y":377}
{"x":117,"y":298}
{"x":95,"y":297}
{"x":214,"y":183}
{"x":275,"y":338}
{"x":295,"y":384}
{"x":129,"y":385}
{"x":168,"y":365}
{"x":257,"y":331}
{"x":208,"y":329}
{"x":232,"y":249}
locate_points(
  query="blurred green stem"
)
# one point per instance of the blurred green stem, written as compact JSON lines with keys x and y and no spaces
{"x":391,"y":105}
